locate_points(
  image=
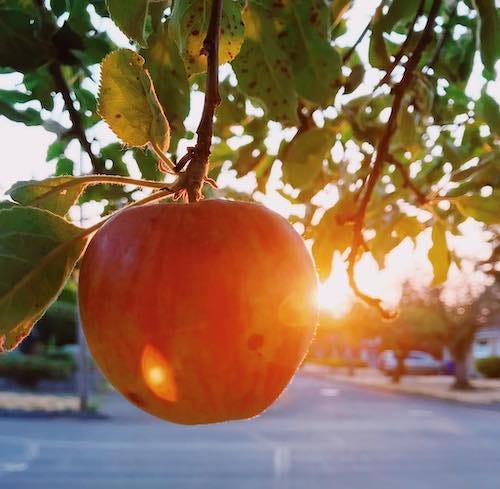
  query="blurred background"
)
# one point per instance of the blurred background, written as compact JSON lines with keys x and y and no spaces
{"x":410,"y":403}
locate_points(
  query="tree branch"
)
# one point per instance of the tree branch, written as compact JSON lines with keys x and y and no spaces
{"x":422,"y":199}
{"x":402,"y":49}
{"x":196,"y":158}
{"x":347,"y":56}
{"x":383,"y":151}
{"x":76,"y":120}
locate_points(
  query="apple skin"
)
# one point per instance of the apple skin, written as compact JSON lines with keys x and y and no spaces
{"x":198,"y":313}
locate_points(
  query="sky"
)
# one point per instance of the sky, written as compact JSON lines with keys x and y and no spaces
{"x":23,"y":149}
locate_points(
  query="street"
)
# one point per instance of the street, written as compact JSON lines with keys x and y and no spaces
{"x":321,"y":434}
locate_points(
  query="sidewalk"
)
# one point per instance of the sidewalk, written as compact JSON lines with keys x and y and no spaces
{"x":487,"y":391}
{"x":38,"y":402}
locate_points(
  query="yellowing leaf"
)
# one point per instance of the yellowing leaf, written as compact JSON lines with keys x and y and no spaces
{"x":329,"y":236}
{"x":439,"y":255}
{"x":128,"y":102}
{"x":189,"y":25}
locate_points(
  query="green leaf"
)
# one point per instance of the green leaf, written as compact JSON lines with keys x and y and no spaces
{"x":169,"y":78}
{"x":263,"y":67}
{"x":304,"y":157}
{"x":38,"y":251}
{"x":488,"y":109}
{"x":399,"y":10}
{"x":148,"y":166}
{"x":189,"y":24}
{"x":489,"y":35}
{"x":378,"y":54}
{"x":30,"y":117}
{"x":130,"y":17}
{"x":14,"y":97}
{"x":355,"y":79}
{"x":406,"y":134}
{"x":56,"y":149}
{"x":64,"y":167}
{"x":303,"y":32}
{"x":45,"y":194}
{"x":484,"y":209}
{"x":79,"y":18}
{"x":128,"y":102}
{"x":439,"y":255}
{"x":40,"y":84}
{"x":21,"y":48}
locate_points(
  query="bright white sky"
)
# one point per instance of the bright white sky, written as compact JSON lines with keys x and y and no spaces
{"x":23,"y":149}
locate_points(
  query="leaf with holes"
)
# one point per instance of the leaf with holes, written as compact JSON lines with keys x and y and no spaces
{"x":302,"y":30}
{"x":189,"y":25}
{"x":52,"y":194}
{"x":263,"y":67}
{"x":38,"y":251}
{"x":304,"y":157}
{"x":130,"y":17}
{"x":439,"y":255}
{"x":128,"y":101}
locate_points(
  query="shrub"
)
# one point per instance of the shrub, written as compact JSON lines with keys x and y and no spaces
{"x":489,"y":367}
{"x":28,"y":370}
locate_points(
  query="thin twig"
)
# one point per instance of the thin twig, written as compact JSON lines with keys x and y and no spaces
{"x":347,"y":56}
{"x":422,"y":199}
{"x":382,"y":152}
{"x":196,"y":158}
{"x":63,"y":88}
{"x":402,"y":49}
{"x":76,"y":120}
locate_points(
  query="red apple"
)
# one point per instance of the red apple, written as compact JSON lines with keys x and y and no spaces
{"x":198,"y":313}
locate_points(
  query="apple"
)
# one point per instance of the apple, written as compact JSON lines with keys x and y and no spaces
{"x":200,"y":312}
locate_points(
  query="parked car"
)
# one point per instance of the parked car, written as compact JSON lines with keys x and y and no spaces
{"x":416,"y":363}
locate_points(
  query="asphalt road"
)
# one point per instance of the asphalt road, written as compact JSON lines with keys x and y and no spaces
{"x":321,"y":434}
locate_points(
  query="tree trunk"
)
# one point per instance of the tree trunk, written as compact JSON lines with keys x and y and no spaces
{"x":399,"y":370}
{"x":350,"y":362}
{"x":460,"y":354}
{"x":461,"y":374}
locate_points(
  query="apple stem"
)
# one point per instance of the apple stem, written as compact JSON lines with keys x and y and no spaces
{"x":196,"y":159}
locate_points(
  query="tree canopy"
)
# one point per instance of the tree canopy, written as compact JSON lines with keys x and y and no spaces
{"x":384,"y":122}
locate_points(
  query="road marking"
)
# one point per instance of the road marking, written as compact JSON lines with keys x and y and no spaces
{"x":329,"y":392}
{"x":30,"y":453}
{"x":419,"y":413}
{"x":281,"y":461}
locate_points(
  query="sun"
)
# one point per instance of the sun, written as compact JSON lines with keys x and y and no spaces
{"x":334,"y":295}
